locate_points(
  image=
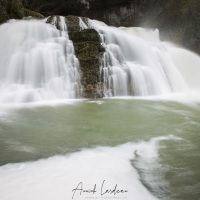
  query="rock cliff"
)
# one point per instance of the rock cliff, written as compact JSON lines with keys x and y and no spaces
{"x":177,"y":20}
{"x":14,"y":9}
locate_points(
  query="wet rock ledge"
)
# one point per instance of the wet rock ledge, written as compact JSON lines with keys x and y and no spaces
{"x":89,"y":51}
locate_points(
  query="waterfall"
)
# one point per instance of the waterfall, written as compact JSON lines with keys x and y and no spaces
{"x":137,"y":63}
{"x":37,"y":62}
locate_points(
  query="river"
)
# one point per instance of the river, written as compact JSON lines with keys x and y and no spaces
{"x":148,"y":147}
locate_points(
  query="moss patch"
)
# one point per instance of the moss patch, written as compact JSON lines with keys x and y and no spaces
{"x":50,"y":20}
{"x":89,"y":51}
{"x":14,"y":9}
{"x":31,"y":13}
{"x":85,"y":35}
{"x":72,"y":23}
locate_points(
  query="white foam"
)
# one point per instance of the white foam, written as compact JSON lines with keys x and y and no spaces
{"x":137,"y":63}
{"x":55,"y":177}
{"x":37,"y":63}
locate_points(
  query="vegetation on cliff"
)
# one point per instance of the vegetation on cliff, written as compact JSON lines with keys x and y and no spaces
{"x":14,"y":9}
{"x":178,"y":20}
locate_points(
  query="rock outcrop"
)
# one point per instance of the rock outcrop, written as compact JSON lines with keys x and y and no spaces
{"x":178,"y":21}
{"x":89,"y":51}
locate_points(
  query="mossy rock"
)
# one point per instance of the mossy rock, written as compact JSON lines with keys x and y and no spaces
{"x":90,"y":79}
{"x":85,"y":20}
{"x":54,"y":20}
{"x":85,"y":35}
{"x":27,"y":13}
{"x":3,"y":18}
{"x":89,"y":92}
{"x":3,"y":11}
{"x":72,"y":23}
{"x":14,"y":9}
{"x":88,"y":50}
{"x":90,"y":64}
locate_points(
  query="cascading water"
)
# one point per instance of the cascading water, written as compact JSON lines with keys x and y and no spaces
{"x":137,"y":63}
{"x":37,"y":63}
{"x":104,"y":147}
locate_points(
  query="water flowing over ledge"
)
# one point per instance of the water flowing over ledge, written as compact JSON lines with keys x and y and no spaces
{"x":137,"y":63}
{"x":39,"y":64}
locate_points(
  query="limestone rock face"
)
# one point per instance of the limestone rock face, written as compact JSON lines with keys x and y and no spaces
{"x":89,"y":51}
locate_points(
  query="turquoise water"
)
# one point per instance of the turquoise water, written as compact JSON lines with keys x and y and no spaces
{"x":31,"y":134}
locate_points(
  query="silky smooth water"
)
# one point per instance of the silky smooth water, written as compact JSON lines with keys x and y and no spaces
{"x":149,"y":147}
{"x":37,"y":63}
{"x":137,"y":63}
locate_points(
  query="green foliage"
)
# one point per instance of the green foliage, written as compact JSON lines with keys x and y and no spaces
{"x":14,"y":9}
{"x":31,"y":13}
